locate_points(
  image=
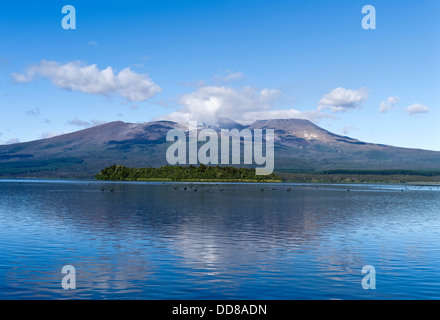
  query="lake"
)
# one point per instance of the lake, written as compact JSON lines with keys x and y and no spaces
{"x":223,"y":241}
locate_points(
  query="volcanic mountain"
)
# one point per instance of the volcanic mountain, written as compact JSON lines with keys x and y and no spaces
{"x":299,"y":145}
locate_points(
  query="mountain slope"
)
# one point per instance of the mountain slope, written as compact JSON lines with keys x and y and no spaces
{"x":299,"y":144}
{"x":307,"y":146}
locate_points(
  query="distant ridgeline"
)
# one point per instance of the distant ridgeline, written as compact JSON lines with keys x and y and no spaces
{"x":191,"y":173}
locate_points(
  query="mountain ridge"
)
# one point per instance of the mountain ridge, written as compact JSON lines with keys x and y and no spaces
{"x":299,"y":145}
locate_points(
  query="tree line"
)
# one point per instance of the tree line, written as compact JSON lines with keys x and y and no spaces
{"x":184,"y":173}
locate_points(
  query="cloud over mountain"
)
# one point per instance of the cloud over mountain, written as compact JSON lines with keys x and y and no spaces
{"x":246,"y":105}
{"x":341,"y":99}
{"x":86,"y":124}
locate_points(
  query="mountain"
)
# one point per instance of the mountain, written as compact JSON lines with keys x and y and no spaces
{"x":303,"y":145}
{"x":299,"y":145}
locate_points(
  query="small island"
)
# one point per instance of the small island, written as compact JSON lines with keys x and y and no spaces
{"x":201,"y":173}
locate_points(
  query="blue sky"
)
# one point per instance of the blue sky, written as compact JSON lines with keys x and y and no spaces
{"x":139,"y":61}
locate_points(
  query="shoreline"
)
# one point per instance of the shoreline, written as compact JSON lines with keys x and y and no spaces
{"x":292,"y":183}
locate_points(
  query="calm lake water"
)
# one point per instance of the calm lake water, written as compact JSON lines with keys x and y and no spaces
{"x":151,"y":241}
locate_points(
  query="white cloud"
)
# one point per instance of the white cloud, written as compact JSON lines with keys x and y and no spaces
{"x":86,"y":124}
{"x":313,"y":116}
{"x":10,"y":141}
{"x":92,"y":43}
{"x":341,"y":99}
{"x":76,"y":76}
{"x":19,"y":78}
{"x":230,"y":76}
{"x":388,"y":104}
{"x":47,"y":135}
{"x":347,"y":129}
{"x":416,"y":109}
{"x":208,"y":103}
